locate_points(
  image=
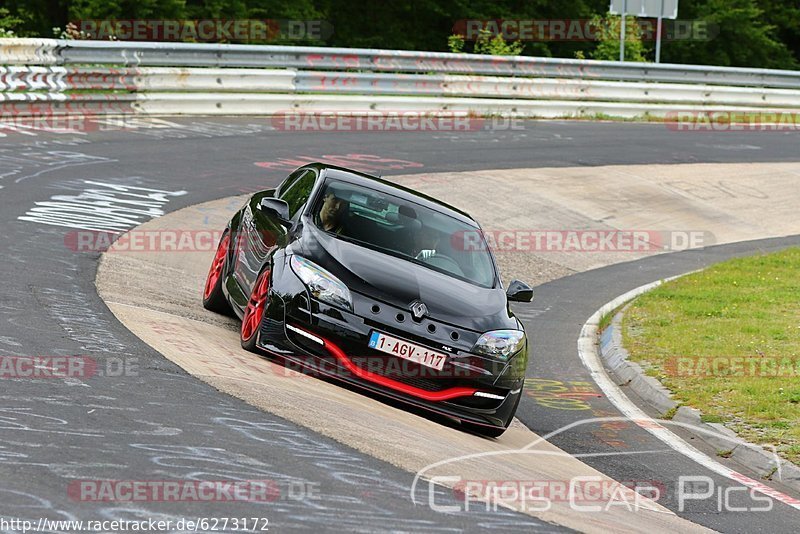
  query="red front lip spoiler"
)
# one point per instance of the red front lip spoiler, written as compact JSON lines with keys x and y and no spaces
{"x":341,"y":357}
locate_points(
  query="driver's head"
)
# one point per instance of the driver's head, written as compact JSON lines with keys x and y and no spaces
{"x":333,"y":209}
{"x":427,"y":238}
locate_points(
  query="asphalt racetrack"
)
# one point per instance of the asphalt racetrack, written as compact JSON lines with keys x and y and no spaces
{"x":141,"y":417}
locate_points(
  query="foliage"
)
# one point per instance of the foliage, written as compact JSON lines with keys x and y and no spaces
{"x":486,"y":43}
{"x":608,"y":35}
{"x":754,"y":33}
{"x":8,"y":23}
{"x":497,"y":45}
{"x":71,"y":32}
{"x":455,"y":43}
{"x":740,"y":33}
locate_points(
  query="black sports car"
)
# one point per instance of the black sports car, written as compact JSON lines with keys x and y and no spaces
{"x":347,"y":275}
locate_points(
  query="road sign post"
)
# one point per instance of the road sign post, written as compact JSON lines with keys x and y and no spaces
{"x":623,"y":27}
{"x":658,"y":9}
{"x":658,"y":30}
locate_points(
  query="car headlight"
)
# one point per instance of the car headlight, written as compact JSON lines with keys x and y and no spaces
{"x":322,"y":284}
{"x":500,"y":344}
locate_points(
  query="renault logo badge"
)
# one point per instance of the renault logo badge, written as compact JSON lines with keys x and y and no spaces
{"x":418,"y":310}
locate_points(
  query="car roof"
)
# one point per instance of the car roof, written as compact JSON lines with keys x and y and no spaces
{"x":384,"y":186}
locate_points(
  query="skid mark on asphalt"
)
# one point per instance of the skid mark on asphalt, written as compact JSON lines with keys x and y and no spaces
{"x":103,"y":206}
{"x":362,"y":162}
{"x":25,"y":163}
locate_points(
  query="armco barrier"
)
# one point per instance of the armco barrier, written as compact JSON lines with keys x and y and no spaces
{"x":171,"y":79}
{"x":182,"y":78}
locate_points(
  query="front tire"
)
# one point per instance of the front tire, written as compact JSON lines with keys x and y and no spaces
{"x":254,"y":312}
{"x":213,"y":298}
{"x":486,"y":431}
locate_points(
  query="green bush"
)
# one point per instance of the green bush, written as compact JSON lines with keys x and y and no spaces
{"x":455,"y":43}
{"x":8,"y":23}
{"x":487,"y":44}
{"x":608,"y":30}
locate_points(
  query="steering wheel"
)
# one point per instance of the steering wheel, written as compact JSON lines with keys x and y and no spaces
{"x":444,"y":262}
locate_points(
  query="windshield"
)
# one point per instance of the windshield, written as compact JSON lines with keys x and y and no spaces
{"x":392,"y":225}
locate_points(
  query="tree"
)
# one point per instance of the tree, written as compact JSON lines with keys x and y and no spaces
{"x":739,"y":35}
{"x":784,"y":15}
{"x":487,"y":44}
{"x":9,"y":23}
{"x":755,"y":33}
{"x":608,"y":31}
{"x":38,"y":16}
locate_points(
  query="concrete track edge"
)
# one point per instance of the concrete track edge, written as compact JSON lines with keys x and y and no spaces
{"x":157,"y":298}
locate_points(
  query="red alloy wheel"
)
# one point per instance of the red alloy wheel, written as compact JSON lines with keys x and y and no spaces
{"x":255,"y":306}
{"x":216,"y":266}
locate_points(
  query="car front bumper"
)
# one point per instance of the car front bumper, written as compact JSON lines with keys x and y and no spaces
{"x":319,"y":339}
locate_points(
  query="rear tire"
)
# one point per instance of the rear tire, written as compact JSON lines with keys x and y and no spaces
{"x":254,"y":312}
{"x":213,"y":297}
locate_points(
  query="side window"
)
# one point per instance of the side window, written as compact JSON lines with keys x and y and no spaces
{"x":297,"y":194}
{"x":289,"y":181}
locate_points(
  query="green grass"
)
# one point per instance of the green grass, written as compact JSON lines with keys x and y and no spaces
{"x":742,"y":319}
{"x":670,"y":414}
{"x":607,"y":318}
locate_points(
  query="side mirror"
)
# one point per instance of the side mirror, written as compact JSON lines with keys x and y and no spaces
{"x":519,"y":292}
{"x":276,"y":208}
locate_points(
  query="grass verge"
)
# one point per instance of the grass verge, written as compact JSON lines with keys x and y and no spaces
{"x":727,"y":341}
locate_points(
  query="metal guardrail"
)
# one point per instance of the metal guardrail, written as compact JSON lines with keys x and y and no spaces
{"x":140,"y":54}
{"x":58,"y":71}
{"x":170,"y":79}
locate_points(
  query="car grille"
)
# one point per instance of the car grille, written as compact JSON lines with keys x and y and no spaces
{"x":398,"y":369}
{"x":272,"y":329}
{"x":414,"y":379}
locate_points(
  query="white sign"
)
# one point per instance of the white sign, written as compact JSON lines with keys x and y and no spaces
{"x":667,"y":9}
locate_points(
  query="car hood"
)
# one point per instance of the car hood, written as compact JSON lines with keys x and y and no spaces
{"x":400,"y":282}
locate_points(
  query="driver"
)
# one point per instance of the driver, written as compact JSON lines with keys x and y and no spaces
{"x":427,"y":241}
{"x":332,"y":213}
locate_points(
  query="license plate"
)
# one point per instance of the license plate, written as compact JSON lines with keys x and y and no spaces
{"x":407,"y":351}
